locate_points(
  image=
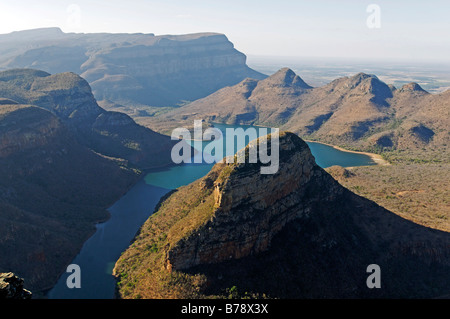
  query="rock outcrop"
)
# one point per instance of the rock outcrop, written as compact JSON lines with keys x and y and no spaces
{"x":11,"y":287}
{"x":251,"y":208}
{"x":132,"y":68}
{"x":294,"y":234}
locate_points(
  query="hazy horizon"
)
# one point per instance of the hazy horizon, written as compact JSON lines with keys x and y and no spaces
{"x":404,"y":30}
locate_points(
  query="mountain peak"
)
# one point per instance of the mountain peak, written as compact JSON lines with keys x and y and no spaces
{"x":359,"y":78}
{"x":285,"y":71}
{"x":369,"y":83}
{"x":285,"y":77}
{"x":362,"y":76}
{"x":412,"y":87}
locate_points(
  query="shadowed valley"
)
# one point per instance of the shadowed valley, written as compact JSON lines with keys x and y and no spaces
{"x":63,"y":162}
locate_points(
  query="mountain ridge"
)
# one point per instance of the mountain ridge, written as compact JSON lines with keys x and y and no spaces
{"x":166,"y":69}
{"x":358,"y":112}
{"x":69,"y":97}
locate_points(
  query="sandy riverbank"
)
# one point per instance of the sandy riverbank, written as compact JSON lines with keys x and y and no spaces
{"x":378,"y":159}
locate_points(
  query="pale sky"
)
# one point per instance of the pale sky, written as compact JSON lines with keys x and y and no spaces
{"x":408,"y":30}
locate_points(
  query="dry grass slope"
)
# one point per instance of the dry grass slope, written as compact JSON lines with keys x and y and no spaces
{"x":418,"y":192}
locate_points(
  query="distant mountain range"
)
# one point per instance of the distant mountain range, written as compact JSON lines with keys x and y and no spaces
{"x":132,"y":69}
{"x":63,"y":161}
{"x":357,"y":111}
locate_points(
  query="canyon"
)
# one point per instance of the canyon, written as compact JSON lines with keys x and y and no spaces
{"x":68,"y":151}
{"x":294,"y":234}
{"x":63,"y":161}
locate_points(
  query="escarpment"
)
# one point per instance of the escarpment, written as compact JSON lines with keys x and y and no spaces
{"x":132,"y":69}
{"x":293,"y":234}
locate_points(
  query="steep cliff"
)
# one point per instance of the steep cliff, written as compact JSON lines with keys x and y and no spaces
{"x":244,"y":218}
{"x":132,"y":69}
{"x":293,"y":234}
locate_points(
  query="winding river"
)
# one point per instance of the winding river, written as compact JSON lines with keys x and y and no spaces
{"x":100,"y":252}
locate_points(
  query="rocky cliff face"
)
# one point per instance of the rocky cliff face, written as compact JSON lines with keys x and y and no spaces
{"x":251,"y":208}
{"x":133,"y":68}
{"x":11,"y":287}
{"x":293,"y":234}
{"x":169,"y":55}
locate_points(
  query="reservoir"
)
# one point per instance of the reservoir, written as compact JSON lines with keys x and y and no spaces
{"x":101,"y":251}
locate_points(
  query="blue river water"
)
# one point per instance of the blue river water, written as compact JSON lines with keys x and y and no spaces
{"x":101,"y":251}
